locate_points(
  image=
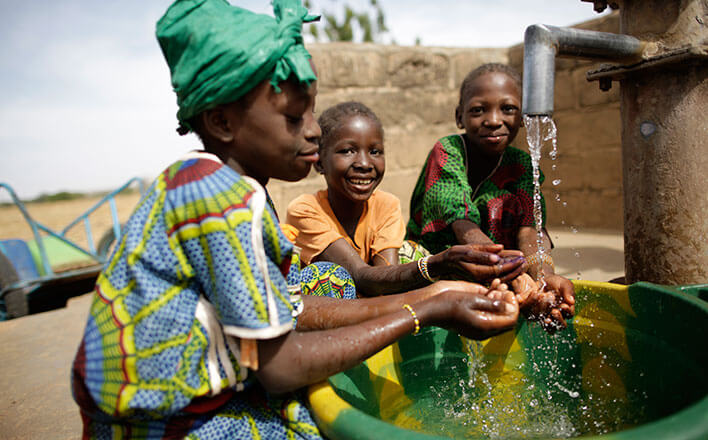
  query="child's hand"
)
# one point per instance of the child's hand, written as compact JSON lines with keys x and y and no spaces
{"x":525,"y":289}
{"x":472,"y":310}
{"x":479,"y":262}
{"x":550,"y":305}
{"x":565,"y":294}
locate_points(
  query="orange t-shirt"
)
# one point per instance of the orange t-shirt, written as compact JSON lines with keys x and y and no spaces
{"x":380,"y":226}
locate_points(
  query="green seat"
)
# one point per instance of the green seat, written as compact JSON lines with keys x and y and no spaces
{"x":62,"y":256}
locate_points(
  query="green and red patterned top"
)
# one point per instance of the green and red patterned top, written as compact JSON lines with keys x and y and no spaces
{"x":500,"y":205}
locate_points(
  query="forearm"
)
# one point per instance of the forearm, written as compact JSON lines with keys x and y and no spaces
{"x":321,"y":313}
{"x":382,"y":280}
{"x":303,"y":358}
{"x":373,"y":280}
{"x":468,"y":232}
{"x":528,"y":244}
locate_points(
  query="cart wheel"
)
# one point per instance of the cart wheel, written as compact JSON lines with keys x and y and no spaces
{"x":15,"y":300}
{"x":106,"y":244}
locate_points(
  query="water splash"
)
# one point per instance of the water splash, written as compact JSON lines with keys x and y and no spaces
{"x":544,"y":395}
{"x":539,"y":130}
{"x":573,"y":394}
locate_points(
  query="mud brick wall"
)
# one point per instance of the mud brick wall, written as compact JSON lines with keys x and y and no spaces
{"x":414,"y":90}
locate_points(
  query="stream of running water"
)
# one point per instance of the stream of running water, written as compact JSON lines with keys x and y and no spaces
{"x":539,"y":130}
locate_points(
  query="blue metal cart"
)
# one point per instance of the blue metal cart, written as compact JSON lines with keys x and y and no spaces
{"x":43,"y":273}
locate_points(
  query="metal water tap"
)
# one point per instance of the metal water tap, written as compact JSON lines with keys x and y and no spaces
{"x":542,"y":43}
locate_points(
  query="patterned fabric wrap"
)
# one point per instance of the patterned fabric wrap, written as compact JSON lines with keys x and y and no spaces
{"x":320,"y":278}
{"x":327,"y":279}
{"x":411,"y":251}
{"x":501,"y":205}
{"x":201,"y":258}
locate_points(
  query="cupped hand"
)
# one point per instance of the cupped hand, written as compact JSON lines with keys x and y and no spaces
{"x":549,"y":304}
{"x":474,"y":311}
{"x":565,"y":294}
{"x":481,"y":262}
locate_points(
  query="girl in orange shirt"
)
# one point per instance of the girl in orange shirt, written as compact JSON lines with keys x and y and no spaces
{"x":354,"y":225}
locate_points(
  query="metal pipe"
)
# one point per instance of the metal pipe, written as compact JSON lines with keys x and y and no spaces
{"x":542,"y":43}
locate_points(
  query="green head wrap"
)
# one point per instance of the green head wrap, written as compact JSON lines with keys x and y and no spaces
{"x":218,"y":52}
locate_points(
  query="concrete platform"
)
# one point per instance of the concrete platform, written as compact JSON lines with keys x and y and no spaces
{"x":37,"y":351}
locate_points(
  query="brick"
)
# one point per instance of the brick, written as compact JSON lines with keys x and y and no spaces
{"x":400,"y":183}
{"x":288,"y":191}
{"x":407,"y":149}
{"x":407,"y":108}
{"x":595,"y":170}
{"x":589,"y":128}
{"x":586,"y":209}
{"x":462,"y":63}
{"x":515,"y":55}
{"x":349,"y":65}
{"x":418,"y":67}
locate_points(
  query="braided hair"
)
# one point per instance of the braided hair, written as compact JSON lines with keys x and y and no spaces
{"x":331,"y":120}
{"x":466,"y":86}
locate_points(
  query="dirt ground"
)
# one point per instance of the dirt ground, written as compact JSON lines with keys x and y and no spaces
{"x":57,"y":215}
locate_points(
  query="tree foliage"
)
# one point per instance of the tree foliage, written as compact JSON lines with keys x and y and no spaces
{"x":367,"y":25}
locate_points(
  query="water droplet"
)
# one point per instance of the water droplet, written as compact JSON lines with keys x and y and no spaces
{"x":553,"y":167}
{"x":556,"y":182}
{"x":565,"y":204}
{"x":577,"y":254}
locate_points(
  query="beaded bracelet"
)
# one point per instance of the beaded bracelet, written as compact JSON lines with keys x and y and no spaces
{"x":415,"y":318}
{"x":535,"y":260}
{"x":423,"y":269}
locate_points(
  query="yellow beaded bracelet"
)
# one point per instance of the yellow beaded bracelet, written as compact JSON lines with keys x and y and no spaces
{"x":415,"y":318}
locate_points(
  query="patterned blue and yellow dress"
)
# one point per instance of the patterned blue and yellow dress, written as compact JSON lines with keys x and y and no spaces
{"x":201,"y":266}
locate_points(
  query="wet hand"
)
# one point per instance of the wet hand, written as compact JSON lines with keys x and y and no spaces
{"x":480,"y":262}
{"x":549,"y":304}
{"x":474,"y":311}
{"x":525,"y":289}
{"x":564,"y":293}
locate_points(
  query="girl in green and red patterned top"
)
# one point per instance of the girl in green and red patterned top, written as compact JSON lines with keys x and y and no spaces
{"x":475,"y":189}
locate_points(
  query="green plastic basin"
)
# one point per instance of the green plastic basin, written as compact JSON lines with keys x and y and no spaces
{"x":631,"y":365}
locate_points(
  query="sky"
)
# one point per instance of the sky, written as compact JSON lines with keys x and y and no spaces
{"x":86,"y":101}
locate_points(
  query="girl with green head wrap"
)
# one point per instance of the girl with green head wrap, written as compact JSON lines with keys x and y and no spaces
{"x":198,"y":328}
{"x":217,"y":52}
